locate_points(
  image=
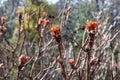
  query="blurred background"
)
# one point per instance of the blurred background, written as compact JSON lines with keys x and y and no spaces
{"x":82,"y":10}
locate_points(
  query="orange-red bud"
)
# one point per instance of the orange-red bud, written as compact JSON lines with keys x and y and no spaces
{"x":55,"y":30}
{"x":71,"y":61}
{"x":22,"y":59}
{"x":3,"y":19}
{"x":91,"y":25}
{"x":47,"y":22}
{"x":40,"y":21}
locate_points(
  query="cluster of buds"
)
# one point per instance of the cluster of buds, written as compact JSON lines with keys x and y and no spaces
{"x":22,"y":60}
{"x":91,"y":28}
{"x":42,"y":21}
{"x":2,"y":27}
{"x":56,"y":32}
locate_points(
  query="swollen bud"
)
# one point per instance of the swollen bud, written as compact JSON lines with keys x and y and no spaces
{"x":72,"y":62}
{"x":22,"y":61}
{"x":3,"y":19}
{"x":47,"y":22}
{"x":40,"y":21}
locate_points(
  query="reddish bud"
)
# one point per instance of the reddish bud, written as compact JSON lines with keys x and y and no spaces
{"x":22,"y":59}
{"x":55,"y":31}
{"x":3,"y":19}
{"x":71,"y":61}
{"x":91,"y":25}
{"x":47,"y":22}
{"x":40,"y":21}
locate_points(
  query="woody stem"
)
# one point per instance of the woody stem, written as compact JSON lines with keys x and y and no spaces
{"x":59,"y":42}
{"x":88,"y":65}
{"x":91,"y":39}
